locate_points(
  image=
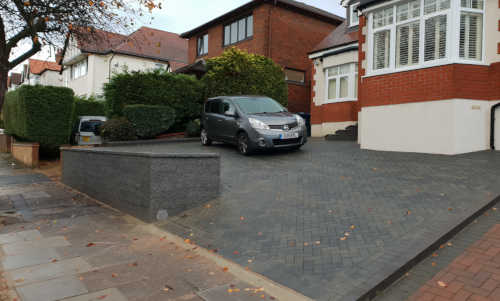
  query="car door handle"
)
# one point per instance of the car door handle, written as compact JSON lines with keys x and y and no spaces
{"x":219,"y":120}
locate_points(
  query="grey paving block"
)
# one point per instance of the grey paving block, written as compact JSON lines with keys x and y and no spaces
{"x":25,"y":246}
{"x":240,"y":291}
{"x":29,"y":258}
{"x":52,"y":290}
{"x":49,"y":271}
{"x":19,"y":236}
{"x":35,"y":194}
{"x":110,"y":294}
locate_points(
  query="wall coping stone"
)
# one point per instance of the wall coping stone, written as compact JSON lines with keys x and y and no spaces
{"x":142,"y":154}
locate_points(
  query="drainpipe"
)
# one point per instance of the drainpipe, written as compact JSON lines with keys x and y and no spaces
{"x":109,"y":67}
{"x":492,"y":137}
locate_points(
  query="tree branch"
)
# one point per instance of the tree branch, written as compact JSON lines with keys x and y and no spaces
{"x":36,"y":47}
{"x":25,"y":33}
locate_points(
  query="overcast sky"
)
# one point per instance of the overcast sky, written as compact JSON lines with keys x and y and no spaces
{"x":182,"y":15}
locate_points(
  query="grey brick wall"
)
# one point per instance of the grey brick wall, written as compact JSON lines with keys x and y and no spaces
{"x":147,"y":185}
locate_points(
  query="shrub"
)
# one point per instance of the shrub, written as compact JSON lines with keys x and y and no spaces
{"x":118,"y":129}
{"x":88,"y":107}
{"x":193,"y":128}
{"x":148,"y":120}
{"x":237,"y":72}
{"x":40,"y":114}
{"x":181,"y":92}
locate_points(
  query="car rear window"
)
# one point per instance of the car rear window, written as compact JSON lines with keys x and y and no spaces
{"x":256,"y":105}
{"x":90,"y":125}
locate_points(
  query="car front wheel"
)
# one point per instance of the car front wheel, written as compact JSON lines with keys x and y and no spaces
{"x":204,"y":138}
{"x":243,"y":144}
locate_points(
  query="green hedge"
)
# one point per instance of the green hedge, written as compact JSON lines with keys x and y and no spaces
{"x":180,"y":92}
{"x":237,"y":72}
{"x":118,"y":129}
{"x":149,"y":121}
{"x":88,"y":107}
{"x":40,"y":114}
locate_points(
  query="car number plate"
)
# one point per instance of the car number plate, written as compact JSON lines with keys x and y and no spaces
{"x":291,"y":135}
{"x":86,"y":139}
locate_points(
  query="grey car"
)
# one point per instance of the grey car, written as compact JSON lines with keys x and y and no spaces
{"x":251,"y":123}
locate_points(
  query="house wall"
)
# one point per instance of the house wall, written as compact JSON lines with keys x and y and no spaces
{"x":452,"y":126}
{"x":327,"y":118}
{"x":281,"y":34}
{"x":51,"y":78}
{"x":99,"y":67}
{"x":442,"y":109}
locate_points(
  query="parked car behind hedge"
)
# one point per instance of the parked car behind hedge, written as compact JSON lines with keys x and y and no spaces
{"x":40,"y":114}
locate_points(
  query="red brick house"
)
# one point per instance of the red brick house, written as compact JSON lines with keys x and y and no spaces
{"x":283,"y":30}
{"x":428,"y":76}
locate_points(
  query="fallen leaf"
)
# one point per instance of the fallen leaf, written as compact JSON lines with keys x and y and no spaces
{"x":102,"y":297}
{"x":81,"y":278}
{"x":441,"y":246}
{"x":435,"y":255}
{"x":353,"y":227}
{"x":343,"y":238}
{"x":208,"y":206}
{"x":133,"y":264}
{"x":114,"y":275}
{"x":442,"y":284}
{"x":236,"y":253}
{"x":242,"y":218}
{"x":306,"y":244}
{"x":449,"y":244}
{"x":433,"y":264}
{"x":54,"y":260}
{"x":225,"y":269}
{"x":167,"y":288}
{"x":187,"y":240}
{"x":450,"y":209}
{"x":19,"y":280}
{"x":90,"y":244}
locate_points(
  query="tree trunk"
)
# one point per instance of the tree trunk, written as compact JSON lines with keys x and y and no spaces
{"x":3,"y":87}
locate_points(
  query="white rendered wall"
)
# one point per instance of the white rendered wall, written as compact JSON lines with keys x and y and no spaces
{"x":449,"y":127}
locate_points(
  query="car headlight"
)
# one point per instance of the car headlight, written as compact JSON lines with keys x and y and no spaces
{"x":257,"y":124}
{"x":300,"y":120}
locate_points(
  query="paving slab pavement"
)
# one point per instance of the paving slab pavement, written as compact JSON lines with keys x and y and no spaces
{"x":65,"y":246}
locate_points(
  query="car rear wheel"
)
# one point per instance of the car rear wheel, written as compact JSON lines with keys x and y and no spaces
{"x":204,"y":138}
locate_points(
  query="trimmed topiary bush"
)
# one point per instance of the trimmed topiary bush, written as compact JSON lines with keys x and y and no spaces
{"x":40,"y":114}
{"x":118,"y":129}
{"x":237,"y":72}
{"x":181,"y":92}
{"x":193,"y":128}
{"x":149,"y":121}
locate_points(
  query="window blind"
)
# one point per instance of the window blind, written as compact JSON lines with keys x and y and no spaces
{"x":381,"y":49}
{"x":407,"y":44}
{"x":435,"y":38}
{"x":471,"y":36}
{"x":477,"y":4}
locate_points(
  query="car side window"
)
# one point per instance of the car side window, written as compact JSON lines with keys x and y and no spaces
{"x":215,"y":106}
{"x":227,"y":107}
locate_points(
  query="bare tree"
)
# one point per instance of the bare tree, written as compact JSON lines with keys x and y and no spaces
{"x":44,"y":23}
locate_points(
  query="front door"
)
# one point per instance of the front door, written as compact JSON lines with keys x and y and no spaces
{"x":228,"y":124}
{"x":497,"y":129}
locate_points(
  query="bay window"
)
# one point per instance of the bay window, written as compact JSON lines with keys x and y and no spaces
{"x":341,"y":82}
{"x":79,"y":69}
{"x":415,"y":33}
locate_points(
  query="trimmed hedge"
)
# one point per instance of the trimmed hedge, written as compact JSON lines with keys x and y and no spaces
{"x":88,"y":107}
{"x":40,"y":114}
{"x":237,"y":72}
{"x":118,"y":129}
{"x":149,"y":121}
{"x":181,"y":92}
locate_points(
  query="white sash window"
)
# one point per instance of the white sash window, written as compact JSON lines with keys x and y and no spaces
{"x":342,"y":83}
{"x":423,"y":33}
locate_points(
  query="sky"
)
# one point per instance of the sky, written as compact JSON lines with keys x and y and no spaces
{"x":181,"y":16}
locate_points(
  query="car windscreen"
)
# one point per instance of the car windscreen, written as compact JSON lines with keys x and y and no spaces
{"x":256,"y":105}
{"x":90,"y":125}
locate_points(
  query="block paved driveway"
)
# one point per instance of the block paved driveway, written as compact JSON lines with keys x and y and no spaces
{"x":331,"y":220}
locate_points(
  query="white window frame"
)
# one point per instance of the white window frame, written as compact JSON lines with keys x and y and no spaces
{"x":201,"y":39}
{"x":452,"y":37}
{"x":352,"y":11}
{"x":76,"y":69}
{"x":352,"y":77}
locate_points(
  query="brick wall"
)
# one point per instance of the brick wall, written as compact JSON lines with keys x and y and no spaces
{"x":334,"y":112}
{"x":286,"y":39}
{"x":436,"y":83}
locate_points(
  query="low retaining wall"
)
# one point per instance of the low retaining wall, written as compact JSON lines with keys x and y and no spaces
{"x":147,"y":185}
{"x":26,"y":152}
{"x":5,"y":143}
